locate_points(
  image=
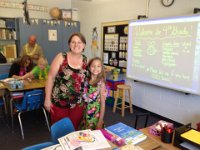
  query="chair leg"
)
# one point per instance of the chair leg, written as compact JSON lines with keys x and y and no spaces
{"x":130,"y":101}
{"x":5,"y":107}
{"x":46,"y":118}
{"x":116,"y":101}
{"x":123,"y":103}
{"x":146,"y":120}
{"x":11,"y":112}
{"x":146,"y":115}
{"x":21,"y":127}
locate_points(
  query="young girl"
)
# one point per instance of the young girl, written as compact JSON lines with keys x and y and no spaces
{"x":94,"y":96}
{"x":38,"y":72}
{"x":21,"y":66}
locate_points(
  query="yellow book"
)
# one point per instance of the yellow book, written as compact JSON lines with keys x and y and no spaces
{"x":192,"y":135}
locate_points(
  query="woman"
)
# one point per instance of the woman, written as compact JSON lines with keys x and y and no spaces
{"x":21,"y":67}
{"x":65,"y":84}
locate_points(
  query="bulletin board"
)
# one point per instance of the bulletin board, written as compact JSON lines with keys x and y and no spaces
{"x":115,"y":43}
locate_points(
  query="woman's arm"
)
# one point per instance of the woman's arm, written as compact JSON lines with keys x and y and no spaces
{"x":102,"y":108}
{"x":55,"y":65}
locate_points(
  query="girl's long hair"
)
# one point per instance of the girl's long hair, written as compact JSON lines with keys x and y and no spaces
{"x":23,"y":60}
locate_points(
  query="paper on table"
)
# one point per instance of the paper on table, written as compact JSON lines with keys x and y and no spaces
{"x":71,"y":141}
{"x":189,"y":146}
{"x":192,"y":135}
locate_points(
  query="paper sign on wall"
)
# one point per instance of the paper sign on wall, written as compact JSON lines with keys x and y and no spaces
{"x":52,"y":35}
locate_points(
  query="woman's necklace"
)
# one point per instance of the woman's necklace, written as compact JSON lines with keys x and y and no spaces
{"x":28,"y":52}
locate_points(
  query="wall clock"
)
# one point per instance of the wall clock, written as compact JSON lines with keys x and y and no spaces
{"x":167,"y":3}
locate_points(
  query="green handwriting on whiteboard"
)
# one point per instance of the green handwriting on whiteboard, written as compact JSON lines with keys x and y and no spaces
{"x":165,"y":31}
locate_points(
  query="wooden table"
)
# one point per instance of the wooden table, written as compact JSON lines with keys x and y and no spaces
{"x":157,"y":139}
{"x":151,"y":143}
{"x":28,"y":85}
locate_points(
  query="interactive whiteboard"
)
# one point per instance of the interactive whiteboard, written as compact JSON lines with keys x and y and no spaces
{"x":166,"y":52}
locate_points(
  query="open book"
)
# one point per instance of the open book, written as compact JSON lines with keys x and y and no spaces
{"x":129,"y":134}
{"x":84,"y":140}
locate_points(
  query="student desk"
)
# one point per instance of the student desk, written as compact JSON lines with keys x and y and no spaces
{"x":28,"y":85}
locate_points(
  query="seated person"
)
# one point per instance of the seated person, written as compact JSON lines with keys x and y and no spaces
{"x":38,"y":72}
{"x":21,"y":66}
{"x":32,"y":49}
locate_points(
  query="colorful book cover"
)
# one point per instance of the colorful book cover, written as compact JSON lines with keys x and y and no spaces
{"x":131,"y":135}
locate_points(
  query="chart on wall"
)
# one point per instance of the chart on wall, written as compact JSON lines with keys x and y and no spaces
{"x":115,"y":43}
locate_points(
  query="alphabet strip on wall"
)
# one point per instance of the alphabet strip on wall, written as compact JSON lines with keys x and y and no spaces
{"x":6,"y":4}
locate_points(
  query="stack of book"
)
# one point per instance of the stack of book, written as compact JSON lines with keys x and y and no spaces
{"x":129,"y":134}
{"x":81,"y":140}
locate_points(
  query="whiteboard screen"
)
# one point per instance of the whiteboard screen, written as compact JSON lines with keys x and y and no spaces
{"x":166,"y":52}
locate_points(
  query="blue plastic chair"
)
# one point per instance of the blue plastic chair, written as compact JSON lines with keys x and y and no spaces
{"x":61,"y":128}
{"x":3,"y":76}
{"x":58,"y":129}
{"x":32,"y":100}
{"x":39,"y":146}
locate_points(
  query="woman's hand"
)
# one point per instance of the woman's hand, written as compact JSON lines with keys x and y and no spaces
{"x":47,"y":105}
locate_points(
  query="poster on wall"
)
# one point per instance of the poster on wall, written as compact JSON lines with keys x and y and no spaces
{"x":115,"y":43}
{"x":52,"y":35}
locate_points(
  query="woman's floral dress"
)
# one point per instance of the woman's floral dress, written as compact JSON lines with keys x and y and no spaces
{"x":69,"y":85}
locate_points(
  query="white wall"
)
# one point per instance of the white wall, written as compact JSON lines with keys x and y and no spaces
{"x":168,"y":103}
{"x":62,"y":4}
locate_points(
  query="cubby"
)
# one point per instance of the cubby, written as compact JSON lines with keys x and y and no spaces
{"x":8,"y":38}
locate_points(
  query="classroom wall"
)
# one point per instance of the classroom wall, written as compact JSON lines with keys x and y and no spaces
{"x":168,"y":103}
{"x":8,"y":12}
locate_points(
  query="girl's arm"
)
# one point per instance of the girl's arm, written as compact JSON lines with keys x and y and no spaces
{"x":26,"y":76}
{"x":50,"y":80}
{"x":102,"y":108}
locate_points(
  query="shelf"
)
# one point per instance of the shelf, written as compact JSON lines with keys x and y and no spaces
{"x":4,"y":42}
